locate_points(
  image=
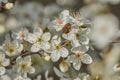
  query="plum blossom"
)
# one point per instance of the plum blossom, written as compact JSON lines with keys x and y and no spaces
{"x":79,"y":56}
{"x":57,"y":50}
{"x":60,"y":22}
{"x":39,"y":40}
{"x":12,"y":48}
{"x":21,"y":34}
{"x":24,"y":65}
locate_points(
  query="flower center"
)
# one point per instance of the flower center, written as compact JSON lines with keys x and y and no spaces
{"x":39,"y":40}
{"x":77,"y":35}
{"x":22,"y":35}
{"x":59,"y":21}
{"x":78,"y":55}
{"x":118,"y":66}
{"x":11,"y":50}
{"x":58,"y":47}
{"x":23,"y":66}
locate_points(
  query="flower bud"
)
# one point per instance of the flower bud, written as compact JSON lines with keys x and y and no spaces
{"x":64,"y":66}
{"x":9,"y":6}
{"x":47,"y":58}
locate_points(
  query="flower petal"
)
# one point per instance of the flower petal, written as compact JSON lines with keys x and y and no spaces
{"x":64,"y":52}
{"x":77,"y":64}
{"x":84,"y":40}
{"x":5,"y":62}
{"x":87,"y":59}
{"x":45,"y":45}
{"x":27,"y":60}
{"x":2,"y":56}
{"x":81,"y":49}
{"x":64,"y":14}
{"x":75,"y":43}
{"x":35,"y":47}
{"x":2,"y":70}
{"x":31,"y":70}
{"x":38,"y":30}
{"x":55,"y":56}
{"x":46,"y":36}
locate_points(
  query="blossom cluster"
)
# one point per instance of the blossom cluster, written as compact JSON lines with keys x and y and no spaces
{"x":68,"y":46}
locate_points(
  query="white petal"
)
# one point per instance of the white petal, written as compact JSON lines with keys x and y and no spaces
{"x":75,"y":43}
{"x":27,"y":60}
{"x":84,"y":40}
{"x":19,"y":59}
{"x":35,"y":47}
{"x":81,"y":49}
{"x":20,"y":48}
{"x":38,"y":30}
{"x":77,"y":64}
{"x":85,"y":58}
{"x":31,"y":70}
{"x":31,"y":38}
{"x":2,"y":70}
{"x":5,"y":62}
{"x":46,"y":36}
{"x":2,"y":56}
{"x":55,"y":56}
{"x":64,"y":52}
{"x":45,"y":45}
{"x":71,"y":58}
{"x":56,"y":40}
{"x":64,"y":14}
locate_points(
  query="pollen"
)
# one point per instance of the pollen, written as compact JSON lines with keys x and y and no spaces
{"x":11,"y":50}
{"x":39,"y":39}
{"x":22,"y":35}
{"x":58,"y":47}
{"x":78,"y":55}
{"x":59,"y":21}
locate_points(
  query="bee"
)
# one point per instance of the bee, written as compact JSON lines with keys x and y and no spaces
{"x":66,"y":28}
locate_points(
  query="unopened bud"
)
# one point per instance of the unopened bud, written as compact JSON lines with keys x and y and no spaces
{"x":47,"y":58}
{"x":9,"y":6}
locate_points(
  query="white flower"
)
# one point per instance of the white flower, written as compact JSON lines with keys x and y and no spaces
{"x":12,"y":48}
{"x":57,"y":50}
{"x":77,"y":37}
{"x":21,"y":78}
{"x":39,"y":40}
{"x":63,"y":19}
{"x":21,"y":34}
{"x":3,"y":63}
{"x":79,"y":56}
{"x":24,"y":65}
